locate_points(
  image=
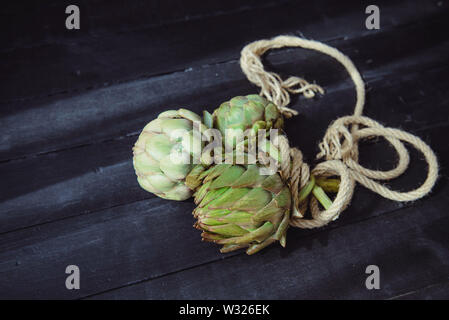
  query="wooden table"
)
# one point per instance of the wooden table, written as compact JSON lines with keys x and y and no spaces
{"x":74,"y":101}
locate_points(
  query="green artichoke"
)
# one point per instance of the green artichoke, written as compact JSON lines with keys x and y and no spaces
{"x":240,"y":208}
{"x":158,"y":154}
{"x":242,"y":113}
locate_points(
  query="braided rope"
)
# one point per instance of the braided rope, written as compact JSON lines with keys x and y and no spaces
{"x":339,"y":147}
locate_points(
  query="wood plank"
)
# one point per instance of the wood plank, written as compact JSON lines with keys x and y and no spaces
{"x":72,"y":120}
{"x":76,"y":62}
{"x":28,"y":24}
{"x":70,"y":197}
{"x":98,"y":176}
{"x":152,"y":238}
{"x":328,"y":264}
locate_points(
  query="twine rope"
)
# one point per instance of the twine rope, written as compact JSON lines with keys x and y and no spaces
{"x":339,"y":148}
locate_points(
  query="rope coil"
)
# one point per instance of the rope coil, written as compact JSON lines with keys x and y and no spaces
{"x":339,"y":147}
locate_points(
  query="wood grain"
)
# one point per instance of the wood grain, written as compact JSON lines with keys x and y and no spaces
{"x":72,"y":105}
{"x":135,"y":243}
{"x":56,"y":123}
{"x":324,"y":265}
{"x":98,"y":176}
{"x":89,"y":59}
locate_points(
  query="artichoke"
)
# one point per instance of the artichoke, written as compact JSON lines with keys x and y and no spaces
{"x":158,"y":154}
{"x":240,"y":208}
{"x":245,"y":112}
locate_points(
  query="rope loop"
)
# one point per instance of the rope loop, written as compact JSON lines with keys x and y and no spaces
{"x":339,"y":147}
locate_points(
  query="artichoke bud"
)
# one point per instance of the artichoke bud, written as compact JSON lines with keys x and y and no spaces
{"x":238,"y":207}
{"x":164,"y":153}
{"x":246,"y":112}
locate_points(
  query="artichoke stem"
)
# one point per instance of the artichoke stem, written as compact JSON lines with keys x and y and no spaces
{"x":322,"y":197}
{"x":328,"y":185}
{"x":304,"y":193}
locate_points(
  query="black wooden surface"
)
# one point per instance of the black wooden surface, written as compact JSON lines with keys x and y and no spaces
{"x":73,"y":103}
